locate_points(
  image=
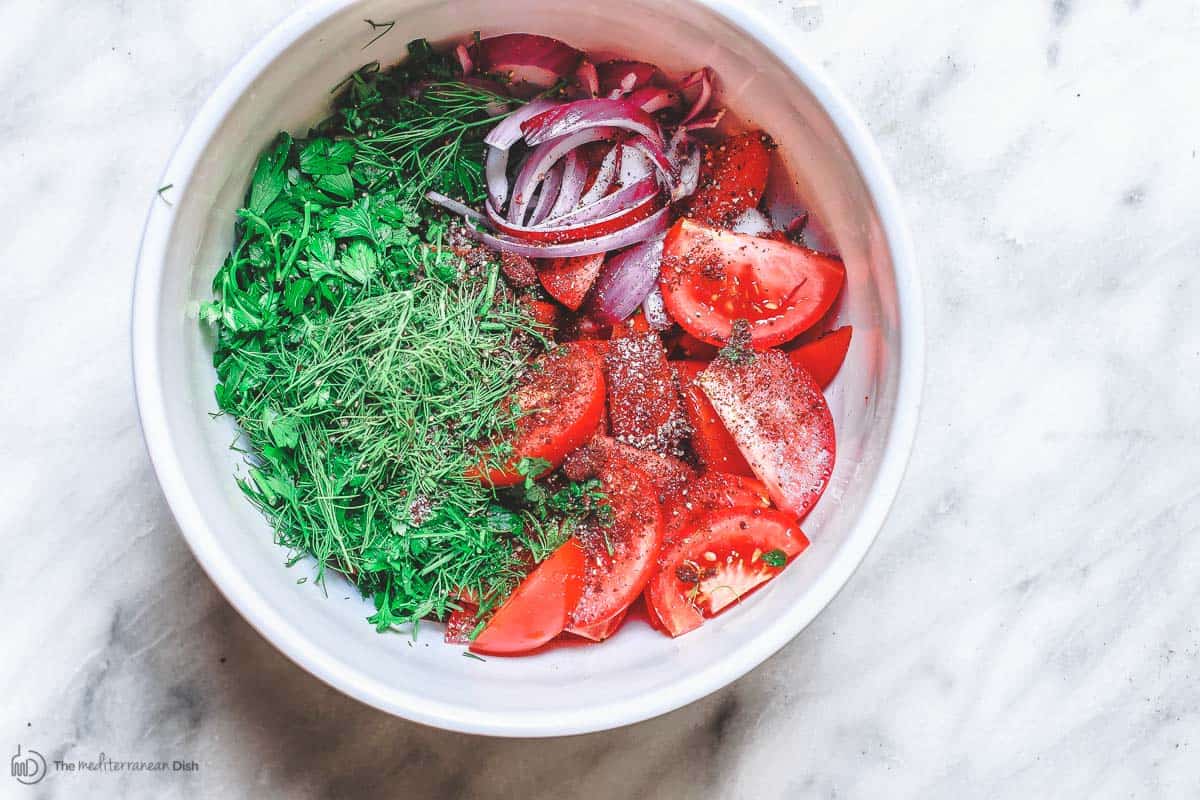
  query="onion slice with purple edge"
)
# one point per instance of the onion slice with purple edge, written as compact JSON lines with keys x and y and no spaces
{"x":631,"y":195}
{"x":499,"y":140}
{"x":541,"y":159}
{"x":622,"y":77}
{"x":710,"y":120}
{"x":702,"y":77}
{"x":455,"y":207}
{"x":655,"y":310}
{"x":576,"y":230}
{"x":652,"y":99}
{"x":464,"y":59}
{"x":625,"y":280}
{"x":651,"y":226}
{"x":575,"y":171}
{"x":595,"y":113}
{"x":548,"y":195}
{"x":526,"y":58}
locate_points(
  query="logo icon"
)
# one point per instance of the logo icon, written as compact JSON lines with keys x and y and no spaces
{"x":28,"y":767}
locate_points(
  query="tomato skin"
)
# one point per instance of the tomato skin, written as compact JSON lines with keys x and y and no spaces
{"x":644,"y":407}
{"x":823,"y":357}
{"x":667,"y":474}
{"x":569,"y":389}
{"x":779,"y":418}
{"x":568,"y":280}
{"x":603,"y":630}
{"x":712,"y":491}
{"x":621,"y":557}
{"x":538,"y":608}
{"x":722,"y":555}
{"x":733,"y":177}
{"x":712,"y":277}
{"x":713,"y":445}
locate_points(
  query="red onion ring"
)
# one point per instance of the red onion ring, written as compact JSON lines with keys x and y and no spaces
{"x":625,"y":280}
{"x":499,"y":140}
{"x":710,"y":120}
{"x":583,"y":114}
{"x":526,"y":58}
{"x":652,"y":99}
{"x":575,"y":171}
{"x":576,"y":230}
{"x":653,"y":225}
{"x":452,"y":205}
{"x":633,"y":194}
{"x":464,"y":59}
{"x":541,"y":159}
{"x":655,"y":310}
{"x":548,"y":196}
{"x":623,"y":77}
{"x":702,"y":77}
{"x":586,"y":77}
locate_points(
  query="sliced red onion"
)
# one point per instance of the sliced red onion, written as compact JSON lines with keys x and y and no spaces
{"x":622,"y":77}
{"x":526,"y":58}
{"x":689,"y":173}
{"x":583,"y":114}
{"x":702,"y":77}
{"x":586,"y":77}
{"x":452,"y":205}
{"x":575,"y":172}
{"x":542,"y":158}
{"x":499,"y":140}
{"x":652,"y":99}
{"x":633,"y":194}
{"x":658,"y":157}
{"x":655,"y":310}
{"x":625,"y":280}
{"x":752,"y":222}
{"x":575,"y":230}
{"x":605,"y":177}
{"x":710,"y":120}
{"x":653,"y":225}
{"x":548,"y":194}
{"x":464,"y":59}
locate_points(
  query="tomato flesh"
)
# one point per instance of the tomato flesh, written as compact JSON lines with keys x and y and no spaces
{"x":644,"y":407}
{"x":568,"y":280}
{"x":603,"y":630}
{"x":823,"y":357}
{"x":712,"y":277}
{"x":712,"y":491}
{"x":621,"y":556}
{"x":733,"y":177}
{"x":460,"y":624}
{"x":539,"y":607}
{"x":566,"y":386}
{"x":714,"y":446}
{"x":781,"y":423}
{"x":721,"y":558}
{"x":667,"y":474}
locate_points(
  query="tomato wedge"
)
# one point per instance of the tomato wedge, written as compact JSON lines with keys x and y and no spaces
{"x":726,"y":555}
{"x":781,"y":423}
{"x":566,"y":387}
{"x":712,"y":277}
{"x":712,"y":491}
{"x":603,"y":630}
{"x":568,"y":280}
{"x":543,"y":313}
{"x":644,"y":407}
{"x":733,"y":177}
{"x":460,"y":624}
{"x":823,"y":357}
{"x":712,"y":443}
{"x":539,"y":607}
{"x":620,"y":556}
{"x":668,"y":475}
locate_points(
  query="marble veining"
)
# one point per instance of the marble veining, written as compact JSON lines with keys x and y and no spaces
{"x":1025,"y":626}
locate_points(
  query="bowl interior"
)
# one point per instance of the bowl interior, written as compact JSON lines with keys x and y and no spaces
{"x":639,"y":673}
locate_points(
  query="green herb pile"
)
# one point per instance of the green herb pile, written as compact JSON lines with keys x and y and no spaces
{"x":366,"y":364}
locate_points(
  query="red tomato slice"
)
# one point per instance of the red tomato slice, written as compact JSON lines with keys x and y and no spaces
{"x":539,"y":607}
{"x":692,"y":348}
{"x":568,"y":280}
{"x":781,"y":423}
{"x":621,"y":556}
{"x":631,"y":327}
{"x":603,"y":630}
{"x":725,"y":556}
{"x":668,"y":475}
{"x":460,"y":624}
{"x":566,"y":386}
{"x":644,"y":407}
{"x":823,"y":357}
{"x":733,"y":177}
{"x":712,"y":491}
{"x":545,"y":314}
{"x":712,"y":277}
{"x":712,"y":443}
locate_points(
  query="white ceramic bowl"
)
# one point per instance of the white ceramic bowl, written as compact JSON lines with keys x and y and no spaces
{"x":283,"y":83}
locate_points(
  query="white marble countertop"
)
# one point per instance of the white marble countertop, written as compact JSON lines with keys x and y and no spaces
{"x":1026,"y":625}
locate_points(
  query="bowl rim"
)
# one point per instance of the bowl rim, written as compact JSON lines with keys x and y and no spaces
{"x":293,"y":642}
